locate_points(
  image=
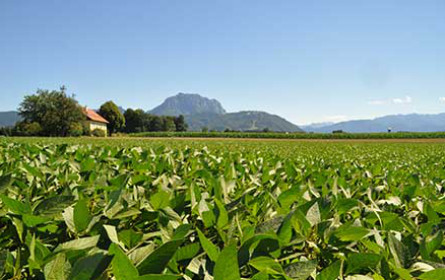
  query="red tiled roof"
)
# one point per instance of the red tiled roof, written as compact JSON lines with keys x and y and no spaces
{"x":93,"y":116}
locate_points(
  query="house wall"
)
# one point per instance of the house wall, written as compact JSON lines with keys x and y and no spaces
{"x":97,"y":125}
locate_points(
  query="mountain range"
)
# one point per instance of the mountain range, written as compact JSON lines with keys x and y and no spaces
{"x":200,"y":112}
{"x":410,"y":122}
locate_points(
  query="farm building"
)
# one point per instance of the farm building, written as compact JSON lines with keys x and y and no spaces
{"x":95,"y":121}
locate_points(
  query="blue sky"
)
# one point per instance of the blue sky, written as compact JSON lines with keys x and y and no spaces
{"x":308,"y":61}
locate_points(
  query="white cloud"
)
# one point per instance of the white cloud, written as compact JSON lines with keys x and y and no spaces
{"x":442,"y":99}
{"x":405,"y":100}
{"x":397,"y":101}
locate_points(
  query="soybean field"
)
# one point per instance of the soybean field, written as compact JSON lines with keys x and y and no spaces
{"x":166,"y":209}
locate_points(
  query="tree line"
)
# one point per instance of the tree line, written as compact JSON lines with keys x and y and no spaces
{"x":55,"y":113}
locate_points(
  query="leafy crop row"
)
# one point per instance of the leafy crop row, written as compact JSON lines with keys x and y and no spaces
{"x":72,"y":211}
{"x":296,"y":135}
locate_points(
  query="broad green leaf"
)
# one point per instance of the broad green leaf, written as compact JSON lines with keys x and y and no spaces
{"x":313,"y":214}
{"x":15,"y":206}
{"x":435,"y":274}
{"x":301,"y":270}
{"x":78,"y":244}
{"x":122,"y":267}
{"x":350,"y":233}
{"x":158,"y":259}
{"x":90,"y":267}
{"x":266,"y":265}
{"x":82,"y":215}
{"x":358,"y":261}
{"x":331,"y":272}
{"x":222,"y":216}
{"x":211,"y":250}
{"x":160,"y":200}
{"x":53,"y":205}
{"x":57,"y":269}
{"x":398,"y":251}
{"x":5,"y":182}
{"x":187,"y":252}
{"x":226,"y":267}
{"x":32,"y":221}
{"x":159,"y":277}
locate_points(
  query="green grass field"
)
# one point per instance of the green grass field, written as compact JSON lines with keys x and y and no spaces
{"x":221,"y":209}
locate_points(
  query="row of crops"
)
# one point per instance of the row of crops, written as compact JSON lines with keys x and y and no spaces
{"x":296,"y":135}
{"x":133,"y":209}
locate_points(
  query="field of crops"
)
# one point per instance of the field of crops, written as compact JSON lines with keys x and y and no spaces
{"x":223,"y":210}
{"x":296,"y":135}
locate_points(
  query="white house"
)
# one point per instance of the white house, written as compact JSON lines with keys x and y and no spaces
{"x":95,"y":121}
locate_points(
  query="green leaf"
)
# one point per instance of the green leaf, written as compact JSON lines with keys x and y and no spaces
{"x":15,"y":206}
{"x":301,"y":270}
{"x":159,"y":277}
{"x":90,"y":267}
{"x":122,"y":267}
{"x":358,"y":261}
{"x":129,"y":237}
{"x":343,"y":205}
{"x":349,"y":232}
{"x":58,"y":268}
{"x":187,"y":252}
{"x":3,"y":255}
{"x":160,"y":200}
{"x":158,"y":260}
{"x":331,"y":272}
{"x":431,"y":244}
{"x":222,"y":216}
{"x":53,"y":205}
{"x":82,"y":217}
{"x":5,"y":182}
{"x":266,"y":265}
{"x":211,"y":250}
{"x":313,"y":214}
{"x":435,"y":274}
{"x":398,"y":251}
{"x":226,"y":267}
{"x":78,"y":244}
{"x":32,"y":221}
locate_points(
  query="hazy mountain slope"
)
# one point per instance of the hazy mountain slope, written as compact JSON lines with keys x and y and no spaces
{"x":244,"y":121}
{"x":411,"y":122}
{"x":9,"y":118}
{"x":188,"y":104}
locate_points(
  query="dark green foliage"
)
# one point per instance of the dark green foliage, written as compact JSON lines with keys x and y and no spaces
{"x":139,"y":121}
{"x":98,"y":133}
{"x":54,"y":111}
{"x":116,"y":120}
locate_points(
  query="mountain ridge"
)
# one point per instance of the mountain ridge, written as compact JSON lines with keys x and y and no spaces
{"x":398,"y":122}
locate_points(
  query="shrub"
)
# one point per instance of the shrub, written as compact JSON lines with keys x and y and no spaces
{"x":76,"y":129}
{"x":28,"y":129}
{"x":98,"y":133}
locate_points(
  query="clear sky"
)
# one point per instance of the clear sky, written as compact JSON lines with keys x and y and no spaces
{"x":308,"y":61}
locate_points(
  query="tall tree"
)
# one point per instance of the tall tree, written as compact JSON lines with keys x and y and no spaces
{"x":169,"y":123}
{"x":180,"y":123}
{"x":54,"y":111}
{"x":113,"y":115}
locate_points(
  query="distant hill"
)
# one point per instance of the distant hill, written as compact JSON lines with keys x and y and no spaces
{"x":202,"y":112}
{"x":410,"y":122}
{"x":9,"y":118}
{"x":244,"y":121}
{"x":312,"y":126}
{"x":188,"y":104}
